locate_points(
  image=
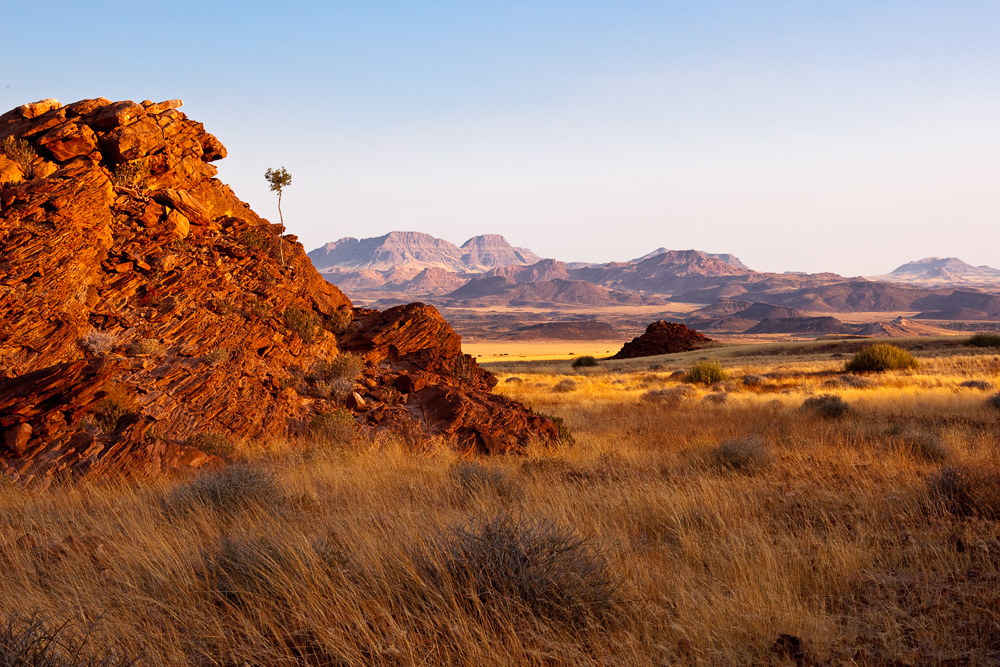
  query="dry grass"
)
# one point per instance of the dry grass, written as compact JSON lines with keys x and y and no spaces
{"x":685,"y":531}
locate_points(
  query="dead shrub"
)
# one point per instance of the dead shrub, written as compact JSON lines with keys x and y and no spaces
{"x":923,"y":445}
{"x":967,"y":490}
{"x":475,"y":479}
{"x":564,"y":386}
{"x":147,"y":347}
{"x":826,"y":406}
{"x":669,"y":398}
{"x":506,"y":566}
{"x":332,"y":433}
{"x":214,"y":444}
{"x":238,"y":486}
{"x":981,"y":385}
{"x":36,"y":641}
{"x":744,"y":455}
{"x":98,"y":342}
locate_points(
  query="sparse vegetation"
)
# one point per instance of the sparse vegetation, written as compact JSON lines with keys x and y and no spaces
{"x":880,"y":358}
{"x":706,"y":372}
{"x":984,"y":340}
{"x":333,"y":432}
{"x":658,"y":538}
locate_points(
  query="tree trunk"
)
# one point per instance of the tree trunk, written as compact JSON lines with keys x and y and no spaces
{"x":281,"y":250}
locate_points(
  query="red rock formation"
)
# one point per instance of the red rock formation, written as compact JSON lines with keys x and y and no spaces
{"x":662,"y":337}
{"x":126,"y":269}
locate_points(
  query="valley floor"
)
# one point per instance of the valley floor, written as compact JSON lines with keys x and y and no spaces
{"x":688,"y":524}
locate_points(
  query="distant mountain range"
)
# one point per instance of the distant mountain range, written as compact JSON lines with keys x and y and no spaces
{"x":487,"y":272}
{"x":949,"y":271}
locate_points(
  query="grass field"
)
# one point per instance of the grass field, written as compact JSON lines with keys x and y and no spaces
{"x":725,"y":524}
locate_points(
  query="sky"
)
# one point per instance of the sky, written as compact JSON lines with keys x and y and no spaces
{"x":846,"y":136}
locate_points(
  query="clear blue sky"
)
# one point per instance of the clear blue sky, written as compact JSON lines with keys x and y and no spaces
{"x":844,"y":135}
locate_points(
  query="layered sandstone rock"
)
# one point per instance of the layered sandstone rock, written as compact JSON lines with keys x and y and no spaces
{"x":128,"y":272}
{"x":662,"y":337}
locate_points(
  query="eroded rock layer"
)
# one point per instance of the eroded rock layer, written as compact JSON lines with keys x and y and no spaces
{"x":130,"y":277}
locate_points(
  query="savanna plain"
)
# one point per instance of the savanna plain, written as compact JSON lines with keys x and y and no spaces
{"x":768,"y":508}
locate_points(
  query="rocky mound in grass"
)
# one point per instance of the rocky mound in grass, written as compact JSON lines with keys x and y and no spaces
{"x":662,"y":337}
{"x":142,"y":303}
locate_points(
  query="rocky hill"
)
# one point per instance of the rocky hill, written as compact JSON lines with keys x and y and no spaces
{"x":142,"y":304}
{"x":416,"y":251}
{"x":943,"y":271}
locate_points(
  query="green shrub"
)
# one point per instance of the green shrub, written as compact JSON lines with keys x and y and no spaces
{"x":706,"y":372}
{"x":304,"y":323}
{"x":827,"y":406}
{"x":585,"y":362}
{"x":504,"y":566}
{"x":563,"y":433}
{"x":879,"y":358}
{"x":984,"y":340}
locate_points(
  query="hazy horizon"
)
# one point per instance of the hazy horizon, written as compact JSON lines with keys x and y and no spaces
{"x":851,"y":138}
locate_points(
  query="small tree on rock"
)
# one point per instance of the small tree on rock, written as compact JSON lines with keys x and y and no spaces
{"x":279,"y":179}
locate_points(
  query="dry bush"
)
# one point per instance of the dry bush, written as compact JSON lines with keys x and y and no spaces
{"x":507,"y":567}
{"x":233,"y":489}
{"x":993,"y":401}
{"x":117,"y":403}
{"x":670,"y":397}
{"x":744,"y":455}
{"x":752,"y":380}
{"x":849,"y":382}
{"x":148,"y":347}
{"x":827,"y":406}
{"x":564,"y":386}
{"x":475,"y":478}
{"x":215,"y":356}
{"x":923,"y":445}
{"x":968,"y":490}
{"x":39,"y":642}
{"x":98,"y":342}
{"x":303,"y":323}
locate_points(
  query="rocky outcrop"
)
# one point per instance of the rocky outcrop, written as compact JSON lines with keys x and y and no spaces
{"x":141,"y":303}
{"x":662,"y":337}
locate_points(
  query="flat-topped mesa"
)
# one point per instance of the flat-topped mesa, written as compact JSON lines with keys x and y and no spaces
{"x":134,"y":284}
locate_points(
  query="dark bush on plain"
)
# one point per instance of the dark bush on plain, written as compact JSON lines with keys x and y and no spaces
{"x":506,"y":566}
{"x":880,"y":358}
{"x":981,"y":385}
{"x":984,"y":340}
{"x":585,"y":362}
{"x":827,"y":406}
